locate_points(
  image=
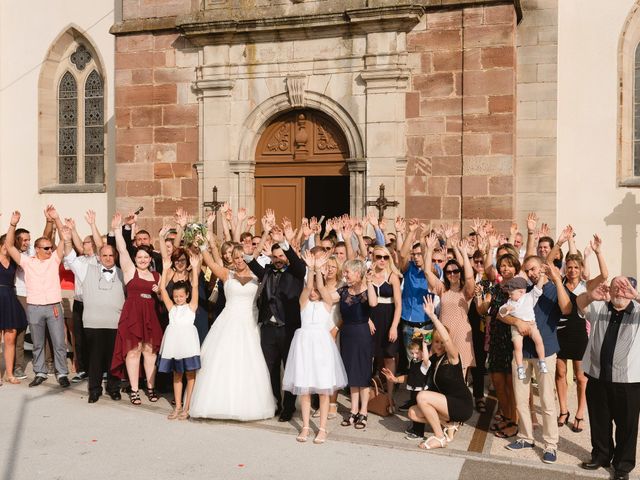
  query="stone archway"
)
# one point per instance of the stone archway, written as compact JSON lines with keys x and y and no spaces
{"x":261,"y":117}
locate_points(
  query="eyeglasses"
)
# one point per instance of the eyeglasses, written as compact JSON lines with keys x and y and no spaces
{"x":435,"y":260}
{"x":452,"y":272}
{"x":382,"y":257}
{"x":478,"y":261}
{"x":416,"y":254}
{"x":326,"y":249}
{"x":180,"y":260}
{"x":46,"y":249}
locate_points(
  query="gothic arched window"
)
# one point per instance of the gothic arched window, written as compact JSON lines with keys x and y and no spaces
{"x":68,"y":129}
{"x":94,"y":129}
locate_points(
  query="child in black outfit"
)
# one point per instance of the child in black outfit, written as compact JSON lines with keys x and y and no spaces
{"x":416,"y":381}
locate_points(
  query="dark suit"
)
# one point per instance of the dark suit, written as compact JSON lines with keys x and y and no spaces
{"x":156,"y":258}
{"x":279,"y":298}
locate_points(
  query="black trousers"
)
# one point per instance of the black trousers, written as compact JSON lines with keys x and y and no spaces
{"x":275,"y":345}
{"x":78,"y":332}
{"x":479,"y":371}
{"x":607,"y":403}
{"x":99,"y":346}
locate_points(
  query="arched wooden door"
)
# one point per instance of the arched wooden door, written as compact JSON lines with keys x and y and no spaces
{"x":301,"y":168}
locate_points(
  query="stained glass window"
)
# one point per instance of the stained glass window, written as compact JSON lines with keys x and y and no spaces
{"x":81,"y":57}
{"x":67,"y":129}
{"x":94,"y":129}
{"x":636,"y":116}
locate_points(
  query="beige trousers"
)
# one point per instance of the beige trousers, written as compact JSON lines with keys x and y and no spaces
{"x":546,"y":388}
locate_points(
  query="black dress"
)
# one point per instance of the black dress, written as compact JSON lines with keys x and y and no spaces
{"x":12,"y":314}
{"x":572,"y":331}
{"x":382,"y":318}
{"x":356,"y":345}
{"x":449,"y":381}
{"x":500,"y":344}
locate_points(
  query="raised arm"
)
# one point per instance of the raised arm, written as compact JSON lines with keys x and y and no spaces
{"x":196,"y":262}
{"x":214,"y":262}
{"x":563,"y":238}
{"x":75,"y":238}
{"x":10,"y":240}
{"x":564,"y":300}
{"x":469,"y":276}
{"x":127,"y":265}
{"x":532,"y":222}
{"x":435,"y":284}
{"x":489,"y":269}
{"x":163,"y":246}
{"x":594,"y":293}
{"x":90,"y":217}
{"x":596,"y":246}
{"x":449,"y":346}
{"x":181,"y":218}
{"x":408,"y":243}
{"x":347,"y":232}
{"x":310,"y":260}
{"x":164,"y":279}
{"x":401,"y":227}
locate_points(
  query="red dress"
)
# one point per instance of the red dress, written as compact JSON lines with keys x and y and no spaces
{"x":138,"y":321}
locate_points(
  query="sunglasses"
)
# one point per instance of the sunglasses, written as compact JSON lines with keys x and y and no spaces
{"x":255,"y":244}
{"x":46,"y":249}
{"x":382,"y":257}
{"x":452,"y":272}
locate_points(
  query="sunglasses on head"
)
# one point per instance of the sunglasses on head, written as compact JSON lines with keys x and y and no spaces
{"x":452,"y":272}
{"x":382,"y":257}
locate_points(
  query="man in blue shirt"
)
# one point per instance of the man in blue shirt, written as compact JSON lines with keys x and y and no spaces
{"x":552,"y":304}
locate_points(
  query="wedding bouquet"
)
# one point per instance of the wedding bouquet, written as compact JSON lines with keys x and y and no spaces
{"x":195,"y":234}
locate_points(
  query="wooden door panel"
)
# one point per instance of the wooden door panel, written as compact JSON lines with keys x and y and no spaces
{"x":285,"y":195}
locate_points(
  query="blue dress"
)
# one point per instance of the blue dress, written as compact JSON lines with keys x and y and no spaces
{"x":11,"y":312}
{"x":356,"y":342}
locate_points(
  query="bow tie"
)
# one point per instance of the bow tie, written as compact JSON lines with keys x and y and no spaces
{"x":107,"y":270}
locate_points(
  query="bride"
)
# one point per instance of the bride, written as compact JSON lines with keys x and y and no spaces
{"x":233,"y":382}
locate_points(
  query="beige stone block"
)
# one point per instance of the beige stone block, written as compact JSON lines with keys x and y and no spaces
{"x":383,"y":140}
{"x":318,"y":83}
{"x":134,"y":171}
{"x":488,"y":165}
{"x":537,"y":184}
{"x":546,"y":147}
{"x":547,"y":110}
{"x":536,"y":91}
{"x":386,"y":107}
{"x":526,"y":110}
{"x":548,"y":35}
{"x":547,"y":73}
{"x":217,"y":113}
{"x":546,"y":17}
{"x":538,"y":54}
{"x":527,"y":73}
{"x":536,"y":128}
{"x":525,"y":147}
{"x":535,"y":165}
{"x":531,"y":202}
{"x":186,"y":58}
{"x":216,"y":143}
{"x":528,"y":5}
{"x":414,"y":61}
{"x":186,"y":95}
{"x":526,"y":36}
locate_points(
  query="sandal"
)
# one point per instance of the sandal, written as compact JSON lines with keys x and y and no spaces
{"x":350,"y":420}
{"x":500,"y":433}
{"x":391,"y":409}
{"x":500,"y":425}
{"x":333,"y":411}
{"x":566,"y":420}
{"x":576,"y":422}
{"x":134,"y":397}
{"x":12,"y":380}
{"x":481,"y":405}
{"x":184,"y":415}
{"x":361,"y":422}
{"x":451,"y":430}
{"x":174,"y":414}
{"x":319,"y":440}
{"x":425,"y":444}
{"x":303,"y":436}
{"x":152,"y":395}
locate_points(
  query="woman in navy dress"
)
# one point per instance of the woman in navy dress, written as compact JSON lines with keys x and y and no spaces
{"x":356,"y":344}
{"x":12,"y":316}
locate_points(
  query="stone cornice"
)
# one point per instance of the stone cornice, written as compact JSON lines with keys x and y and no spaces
{"x":202,"y":29}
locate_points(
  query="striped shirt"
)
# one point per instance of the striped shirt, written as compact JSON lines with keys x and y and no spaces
{"x":609,"y":356}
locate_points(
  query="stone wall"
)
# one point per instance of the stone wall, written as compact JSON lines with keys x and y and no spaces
{"x":156,"y":126}
{"x":460,"y":116}
{"x":537,"y":52}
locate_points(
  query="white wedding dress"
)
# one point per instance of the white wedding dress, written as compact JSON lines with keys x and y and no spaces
{"x":234,"y":382}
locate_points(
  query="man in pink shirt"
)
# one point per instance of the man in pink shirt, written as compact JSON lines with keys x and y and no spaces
{"x":44,"y":307}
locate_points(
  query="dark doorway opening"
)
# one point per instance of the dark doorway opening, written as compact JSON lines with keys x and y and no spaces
{"x":328,"y":196}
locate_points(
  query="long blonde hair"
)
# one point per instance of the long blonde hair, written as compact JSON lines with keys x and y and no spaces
{"x":391,"y":266}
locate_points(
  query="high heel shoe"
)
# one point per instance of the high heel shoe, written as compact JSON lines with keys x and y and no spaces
{"x":576,"y":422}
{"x":566,"y":420}
{"x":303,"y":435}
{"x":319,"y":440}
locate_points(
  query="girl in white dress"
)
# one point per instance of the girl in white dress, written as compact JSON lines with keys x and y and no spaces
{"x":314,"y":364}
{"x":180,"y":349}
{"x":234,"y":381}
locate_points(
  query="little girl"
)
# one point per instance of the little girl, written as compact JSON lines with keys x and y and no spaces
{"x":520,"y":305}
{"x":180,"y":349}
{"x":416,"y":381}
{"x":314,"y":364}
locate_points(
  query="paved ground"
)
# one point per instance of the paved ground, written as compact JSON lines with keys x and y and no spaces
{"x":49,"y":433}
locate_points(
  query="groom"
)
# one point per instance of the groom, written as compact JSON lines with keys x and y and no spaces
{"x":282,"y":282}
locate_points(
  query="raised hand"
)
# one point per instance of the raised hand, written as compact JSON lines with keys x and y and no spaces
{"x":90,"y":217}
{"x":431,"y":241}
{"x":322,"y":259}
{"x":251,"y":221}
{"x":277,"y":235}
{"x":463,"y":246}
{"x":306,"y":229}
{"x":131,"y":219}
{"x":532,"y":221}
{"x":309,"y":259}
{"x":242,"y":214}
{"x":566,"y":234}
{"x":70,"y":223}
{"x":224,"y":208}
{"x":428,"y":306}
{"x":164,"y":231}
{"x":596,"y":244}
{"x":66,"y":233}
{"x":544,"y":231}
{"x":413,"y":224}
{"x":288,"y":231}
{"x":358,"y":228}
{"x":389,"y":375}
{"x":401,"y":225}
{"x":194,"y":260}
{"x":600,"y":293}
{"x":51,"y":212}
{"x":347,"y":230}
{"x":116,"y":221}
{"x":181,"y":217}
{"x":15,"y":217}
{"x":211,"y":217}
{"x":493,"y":241}
{"x":271,"y":216}
{"x":513,"y":229}
{"x":228,"y":215}
{"x":372,"y":218}
{"x":626,"y":289}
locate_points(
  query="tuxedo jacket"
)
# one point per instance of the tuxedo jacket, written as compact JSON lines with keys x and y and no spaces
{"x":279,"y":294}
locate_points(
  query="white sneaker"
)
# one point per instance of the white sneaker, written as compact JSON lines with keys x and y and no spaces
{"x":521,"y":375}
{"x":543,"y":366}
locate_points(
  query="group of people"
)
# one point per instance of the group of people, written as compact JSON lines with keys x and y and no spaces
{"x":221,"y":317}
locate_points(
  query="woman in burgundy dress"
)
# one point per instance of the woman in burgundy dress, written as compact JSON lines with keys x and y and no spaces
{"x":139,"y":331}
